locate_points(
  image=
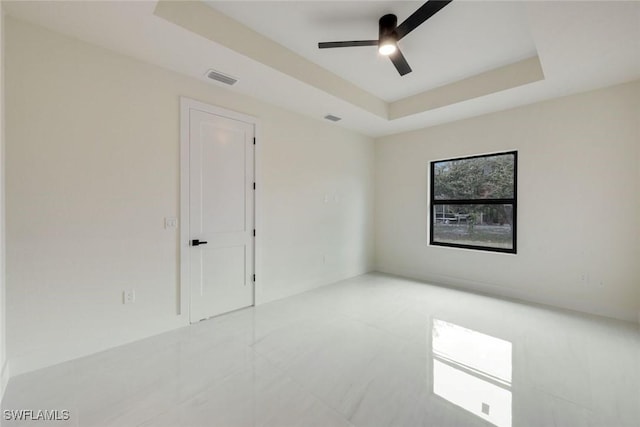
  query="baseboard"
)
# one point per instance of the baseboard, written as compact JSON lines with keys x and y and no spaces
{"x":518,"y":295}
{"x":4,"y":379}
{"x":45,"y":357}
{"x":314,"y":283}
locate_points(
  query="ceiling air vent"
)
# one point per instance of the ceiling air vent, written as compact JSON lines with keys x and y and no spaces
{"x":332,"y":118}
{"x":222,"y":78}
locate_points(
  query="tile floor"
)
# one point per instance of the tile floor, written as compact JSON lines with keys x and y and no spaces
{"x":370,"y":351}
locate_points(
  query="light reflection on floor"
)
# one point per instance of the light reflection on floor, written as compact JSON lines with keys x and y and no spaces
{"x":473,"y":371}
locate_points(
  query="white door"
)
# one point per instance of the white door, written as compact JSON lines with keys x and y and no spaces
{"x":221,"y":171}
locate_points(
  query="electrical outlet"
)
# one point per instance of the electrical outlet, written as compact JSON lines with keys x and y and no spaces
{"x":170,"y":222}
{"x":129,"y":296}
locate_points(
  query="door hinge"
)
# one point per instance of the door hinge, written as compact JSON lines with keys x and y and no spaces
{"x":254,"y":232}
{"x":254,"y":277}
{"x":254,"y":185}
{"x":254,"y":141}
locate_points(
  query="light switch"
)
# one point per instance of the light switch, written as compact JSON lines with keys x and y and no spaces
{"x":128,"y":296}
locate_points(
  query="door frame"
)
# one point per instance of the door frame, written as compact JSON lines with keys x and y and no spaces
{"x":187,"y":104}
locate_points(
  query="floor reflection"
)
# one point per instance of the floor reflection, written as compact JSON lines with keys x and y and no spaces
{"x":473,"y":371}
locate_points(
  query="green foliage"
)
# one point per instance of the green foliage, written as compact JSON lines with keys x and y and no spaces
{"x":477,"y":178}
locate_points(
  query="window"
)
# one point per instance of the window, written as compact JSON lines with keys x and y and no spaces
{"x":473,"y":202}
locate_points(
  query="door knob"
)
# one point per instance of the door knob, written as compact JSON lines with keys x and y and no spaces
{"x":196,"y":242}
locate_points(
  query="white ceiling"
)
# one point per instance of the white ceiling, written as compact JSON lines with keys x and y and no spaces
{"x":581,"y":46}
{"x":462,"y":40}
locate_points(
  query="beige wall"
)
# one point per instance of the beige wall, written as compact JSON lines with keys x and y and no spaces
{"x":93,"y":170}
{"x":578,"y":203}
{"x":4,"y":367}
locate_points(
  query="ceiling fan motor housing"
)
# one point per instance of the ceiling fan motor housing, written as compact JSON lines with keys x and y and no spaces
{"x":387,"y":28}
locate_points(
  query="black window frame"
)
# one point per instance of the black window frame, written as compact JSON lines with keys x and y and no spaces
{"x":503,"y":201}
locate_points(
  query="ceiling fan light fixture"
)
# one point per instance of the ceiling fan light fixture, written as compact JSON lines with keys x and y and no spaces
{"x":387,"y":47}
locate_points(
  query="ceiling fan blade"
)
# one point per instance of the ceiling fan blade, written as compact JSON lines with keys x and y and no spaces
{"x":423,"y":13}
{"x":400,"y":62}
{"x":327,"y":45}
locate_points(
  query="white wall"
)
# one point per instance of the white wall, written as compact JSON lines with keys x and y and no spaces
{"x":578,"y":203}
{"x":92,"y":170}
{"x":4,"y":368}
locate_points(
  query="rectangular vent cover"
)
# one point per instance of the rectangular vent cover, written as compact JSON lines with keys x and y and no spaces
{"x":332,"y":118}
{"x":222,"y":78}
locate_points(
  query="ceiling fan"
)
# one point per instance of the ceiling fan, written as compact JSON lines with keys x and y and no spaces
{"x":390,"y":32}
